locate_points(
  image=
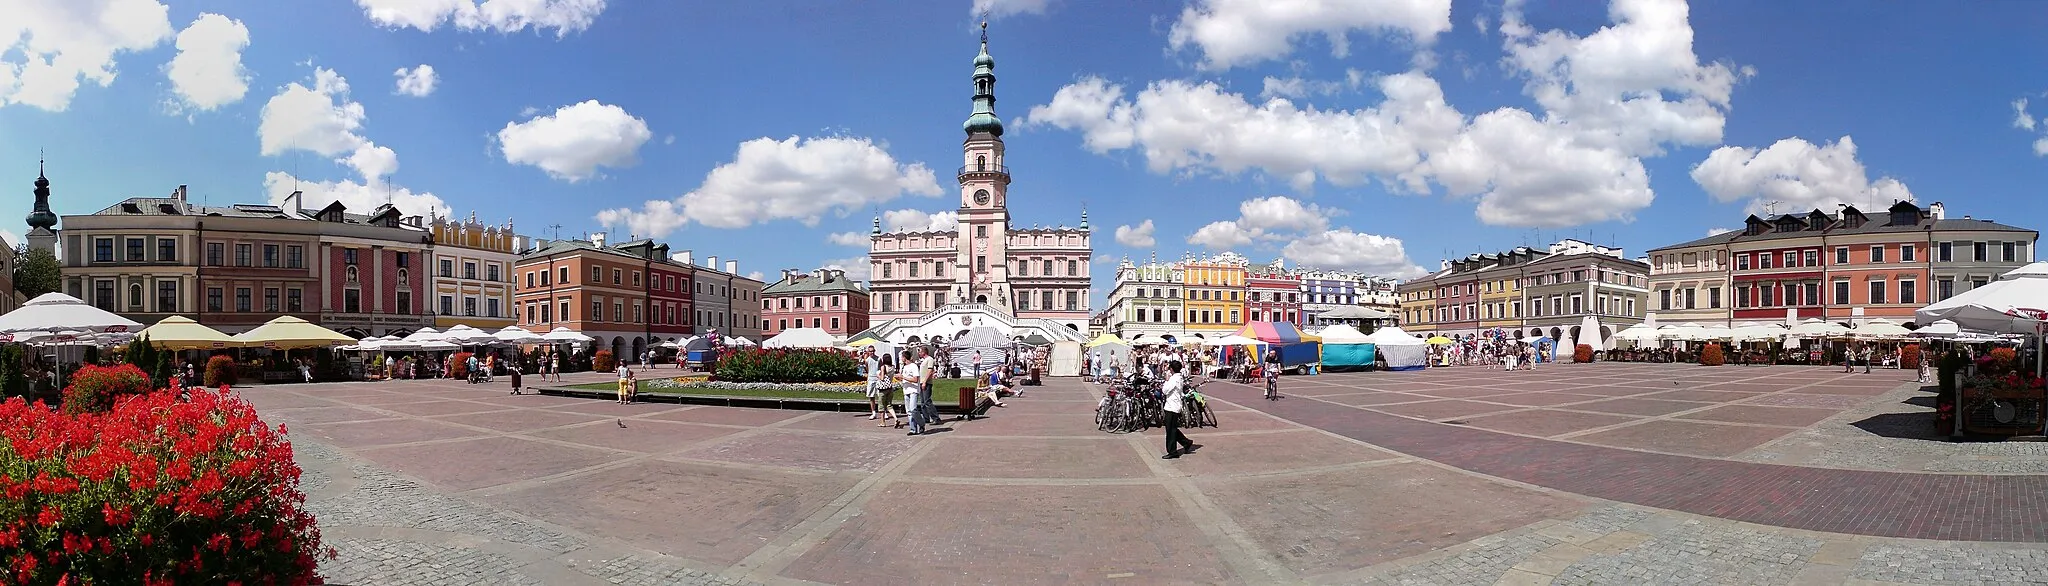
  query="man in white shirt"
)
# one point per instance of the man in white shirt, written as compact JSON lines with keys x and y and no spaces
{"x":913,"y":377}
{"x":1176,"y":404}
{"x":930,"y":365}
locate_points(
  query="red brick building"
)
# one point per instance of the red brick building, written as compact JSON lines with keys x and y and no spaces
{"x":826,"y":300}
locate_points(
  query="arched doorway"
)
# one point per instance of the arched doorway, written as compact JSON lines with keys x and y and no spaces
{"x":1575,"y":336}
{"x":913,"y":340}
{"x":1536,"y":333}
{"x":1606,"y":333}
{"x":639,"y":347}
{"x":619,"y":347}
{"x":1556,"y":334}
{"x":1518,"y":334}
{"x":354,"y":333}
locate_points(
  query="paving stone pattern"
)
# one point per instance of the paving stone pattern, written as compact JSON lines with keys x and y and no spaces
{"x":1698,"y":553}
{"x":1953,"y":565}
{"x":385,"y":500}
{"x":386,"y":562}
{"x":636,"y":570}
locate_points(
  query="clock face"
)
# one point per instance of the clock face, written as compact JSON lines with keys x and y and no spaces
{"x":981,"y":197}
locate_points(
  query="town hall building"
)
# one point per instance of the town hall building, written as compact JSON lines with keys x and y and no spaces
{"x":985,"y":272}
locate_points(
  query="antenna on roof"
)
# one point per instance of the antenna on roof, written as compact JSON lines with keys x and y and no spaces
{"x":556,"y":229}
{"x":1771,"y":207}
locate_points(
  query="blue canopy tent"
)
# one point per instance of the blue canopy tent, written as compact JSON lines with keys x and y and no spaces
{"x":1541,"y":344}
{"x":1345,"y":349}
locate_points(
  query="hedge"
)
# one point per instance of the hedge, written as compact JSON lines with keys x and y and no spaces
{"x":786,"y":365}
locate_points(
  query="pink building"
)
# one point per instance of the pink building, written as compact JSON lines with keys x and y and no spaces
{"x":1026,"y":273}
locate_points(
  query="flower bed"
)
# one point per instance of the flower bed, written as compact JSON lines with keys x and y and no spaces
{"x":154,"y":491}
{"x":787,"y":365}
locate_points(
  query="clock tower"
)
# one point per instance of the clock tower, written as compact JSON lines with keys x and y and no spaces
{"x":982,"y":269}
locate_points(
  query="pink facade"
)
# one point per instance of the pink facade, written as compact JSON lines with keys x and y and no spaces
{"x":1274,"y":296}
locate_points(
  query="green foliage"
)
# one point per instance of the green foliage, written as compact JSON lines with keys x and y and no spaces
{"x":36,"y":271}
{"x":152,"y":360}
{"x":220,"y":370}
{"x":784,"y":365}
{"x":92,"y":354}
{"x":95,"y":389}
{"x":13,"y":374}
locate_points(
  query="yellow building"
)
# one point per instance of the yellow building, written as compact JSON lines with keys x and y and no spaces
{"x":1500,"y":298}
{"x":1213,"y":295}
{"x":472,"y":268}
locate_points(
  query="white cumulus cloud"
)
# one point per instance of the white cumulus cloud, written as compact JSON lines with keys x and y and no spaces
{"x":417,"y":82}
{"x":1799,"y":175}
{"x":2020,"y":118}
{"x":321,"y":119}
{"x":1272,"y":218}
{"x":1231,"y":33}
{"x":575,"y":140}
{"x":1344,"y":249}
{"x":1139,"y":236}
{"x":792,"y":179}
{"x":1719,"y":231}
{"x":857,"y":268}
{"x":505,"y":16}
{"x":848,"y":239}
{"x":357,"y":197}
{"x":207,"y":73}
{"x":48,"y":48}
{"x":911,"y":220}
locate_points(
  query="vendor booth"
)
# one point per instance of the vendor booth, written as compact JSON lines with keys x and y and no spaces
{"x":1345,"y":349}
{"x":1065,"y":359}
{"x":1399,"y":350}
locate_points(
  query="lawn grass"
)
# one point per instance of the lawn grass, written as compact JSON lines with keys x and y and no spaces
{"x":947,"y":392}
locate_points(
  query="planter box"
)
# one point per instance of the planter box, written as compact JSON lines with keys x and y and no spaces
{"x":2002,"y":411}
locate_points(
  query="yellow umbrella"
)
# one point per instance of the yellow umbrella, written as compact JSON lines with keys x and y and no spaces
{"x":861,"y":342}
{"x":287,"y":332}
{"x":178,"y":332}
{"x":1437,"y":340}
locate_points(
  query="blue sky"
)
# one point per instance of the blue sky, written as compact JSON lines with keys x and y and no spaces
{"x":759,"y":130}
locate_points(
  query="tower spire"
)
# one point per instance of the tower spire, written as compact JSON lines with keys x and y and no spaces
{"x":42,"y":217}
{"x":984,"y":119}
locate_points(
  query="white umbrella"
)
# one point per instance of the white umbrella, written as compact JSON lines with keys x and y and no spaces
{"x":516,"y":335}
{"x":1879,"y":329}
{"x":57,"y":311}
{"x":565,"y":335}
{"x":1816,"y":328}
{"x":1232,"y":340}
{"x":1149,"y":340}
{"x":438,"y":346}
{"x":738,"y":341}
{"x":1637,"y":333}
{"x":2013,"y":304}
{"x":1941,"y":329}
{"x":1682,"y":332}
{"x":425,"y":335}
{"x":466,"y":335}
{"x":1757,"y":333}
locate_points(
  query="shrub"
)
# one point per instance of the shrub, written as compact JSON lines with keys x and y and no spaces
{"x":1712,"y":355}
{"x":220,"y":372}
{"x":786,"y":365}
{"x":458,"y":365}
{"x":1582,"y":353}
{"x":1999,"y":360}
{"x":94,"y":389}
{"x":1950,"y":367}
{"x":602,"y":361}
{"x":13,"y":375}
{"x":154,"y":491}
{"x":1909,"y":357}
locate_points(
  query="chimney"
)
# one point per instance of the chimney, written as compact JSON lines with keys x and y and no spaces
{"x":597,"y":239}
{"x":711,"y":262}
{"x":732,"y":266}
{"x":295,"y":203}
{"x":182,"y":198}
{"x":827,"y":275}
{"x":788,"y":276}
{"x":683,"y":257}
{"x":1937,"y":211}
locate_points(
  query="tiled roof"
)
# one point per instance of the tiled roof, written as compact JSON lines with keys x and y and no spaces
{"x":813,"y":284}
{"x":1878,"y":222}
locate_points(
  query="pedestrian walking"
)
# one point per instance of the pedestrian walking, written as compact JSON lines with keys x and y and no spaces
{"x":912,"y":376}
{"x":929,"y":365}
{"x":1176,"y":402}
{"x":555,"y":365}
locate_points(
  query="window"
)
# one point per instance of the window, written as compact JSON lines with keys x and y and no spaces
{"x":1877,"y":254}
{"x":352,"y":301}
{"x":103,"y":250}
{"x":814,"y":322}
{"x":981,"y":264}
{"x":348,"y":256}
{"x":564,"y":315}
{"x":1812,"y":258}
{"x":213,"y":299}
{"x":1689,"y":298}
{"x":2010,"y":250}
{"x":1763,"y":260}
{"x":243,"y":297}
{"x":1944,"y":289}
{"x":469,"y":306}
{"x":616,"y":274}
{"x":491,"y":274}
{"x":1074,"y":266}
{"x":529,"y":278}
{"x":447,"y":267}
{"x":404,"y":302}
{"x":1841,"y":255}
{"x":166,"y":250}
{"x":1841,"y":292}
{"x":469,"y":270}
{"x":1978,"y":248}
{"x":1046,"y":297}
{"x":1907,"y":254}
{"x":244,"y":254}
{"x":270,"y":257}
{"x":913,"y":268}
{"x":1074,"y":303}
{"x":135,"y":296}
{"x":596,"y":310}
{"x":1812,"y":296}
{"x":782,"y":324}
{"x":1791,"y":259}
{"x":1979,"y":282}
{"x":402,"y":259}
{"x":981,"y":231}
{"x":596,"y":274}
{"x":1909,"y":291}
{"x":167,"y":296}
{"x":1741,"y":296}
{"x":1048,"y":268}
{"x":1742,"y":262}
{"x":295,"y":257}
{"x":1877,"y":292}
{"x":1664,"y":299}
{"x":1713,"y":297}
{"x":270,"y":299}
{"x":835,"y":323}
{"x":888,"y":302}
{"x":294,"y":300}
{"x":1766,"y":296}
{"x":1944,"y":252}
{"x":447,"y":305}
{"x":214,"y":254}
{"x":135,"y":250}
{"x":564,"y":279}
{"x":915,"y":298}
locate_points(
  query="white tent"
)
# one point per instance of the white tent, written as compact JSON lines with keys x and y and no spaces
{"x":516,"y":335}
{"x":991,"y":343}
{"x":1940,"y":330}
{"x":561,"y":335}
{"x":1639,"y":333}
{"x":1817,"y":328}
{"x":1399,"y":350}
{"x":1880,"y":329}
{"x":1233,"y":340}
{"x":1758,"y":333}
{"x":1149,"y":340}
{"x":1589,"y":334}
{"x":57,"y":311}
{"x":425,"y":335}
{"x":2013,"y":304}
{"x":1065,"y":359}
{"x":1343,"y":334}
{"x":800,"y":338}
{"x":469,"y":336}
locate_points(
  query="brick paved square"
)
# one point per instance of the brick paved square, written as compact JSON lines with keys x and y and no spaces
{"x":268,"y":399}
{"x":1266,"y":452}
{"x":384,"y":432}
{"x":1805,"y":400}
{"x":1335,"y":521}
{"x":727,"y":415}
{"x":823,"y":452}
{"x":1080,"y":423}
{"x":651,"y":437}
{"x":1444,"y":409}
{"x":1373,"y":398}
{"x":381,"y":399}
{"x":472,"y":464}
{"x":1103,"y":457}
{"x":1702,"y":395}
{"x":432,"y":408}
{"x":1847,"y":390}
{"x":1546,"y":422}
{"x":712,"y":513}
{"x":1686,"y":437}
{"x":1635,"y":406}
{"x":1791,"y":416}
{"x":1040,"y":535}
{"x":520,"y":420}
{"x":1464,"y":393}
{"x":324,"y":415}
{"x":1541,"y":399}
{"x":1749,"y":387}
{"x":614,"y":409}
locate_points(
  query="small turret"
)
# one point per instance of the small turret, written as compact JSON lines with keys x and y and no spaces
{"x":984,"y":119}
{"x":42,"y":217}
{"x":877,"y":231}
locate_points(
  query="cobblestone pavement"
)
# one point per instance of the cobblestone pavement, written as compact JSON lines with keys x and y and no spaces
{"x":1893,"y":432}
{"x":433,"y":483}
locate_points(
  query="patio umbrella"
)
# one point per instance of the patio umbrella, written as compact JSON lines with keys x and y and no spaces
{"x":57,"y":311}
{"x":1941,"y":329}
{"x":1148,"y":341}
{"x":1816,"y":328}
{"x":2013,"y":304}
{"x":565,"y":336}
{"x":516,"y":335}
{"x":287,"y":332}
{"x":1437,"y":340}
{"x":1105,"y":340}
{"x":178,"y":332}
{"x":469,"y":336}
{"x":425,"y":335}
{"x":438,"y":346}
{"x":1233,"y":341}
{"x":1879,"y":329}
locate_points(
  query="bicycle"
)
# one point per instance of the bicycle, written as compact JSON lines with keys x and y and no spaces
{"x":1273,"y":384}
{"x":1199,"y":414}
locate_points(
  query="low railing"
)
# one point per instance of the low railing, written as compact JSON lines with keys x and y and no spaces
{"x":966,"y":170}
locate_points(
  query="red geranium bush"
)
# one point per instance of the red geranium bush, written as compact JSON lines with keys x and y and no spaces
{"x":154,"y":491}
{"x":458,"y":365}
{"x":95,"y":388}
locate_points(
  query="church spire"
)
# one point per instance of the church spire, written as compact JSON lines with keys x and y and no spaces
{"x":42,"y":217}
{"x":984,"y":117}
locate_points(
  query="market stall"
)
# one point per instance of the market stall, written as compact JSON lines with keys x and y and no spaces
{"x":1346,"y":349}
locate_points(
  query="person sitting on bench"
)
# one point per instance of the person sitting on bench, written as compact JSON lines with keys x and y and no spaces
{"x":987,"y":393}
